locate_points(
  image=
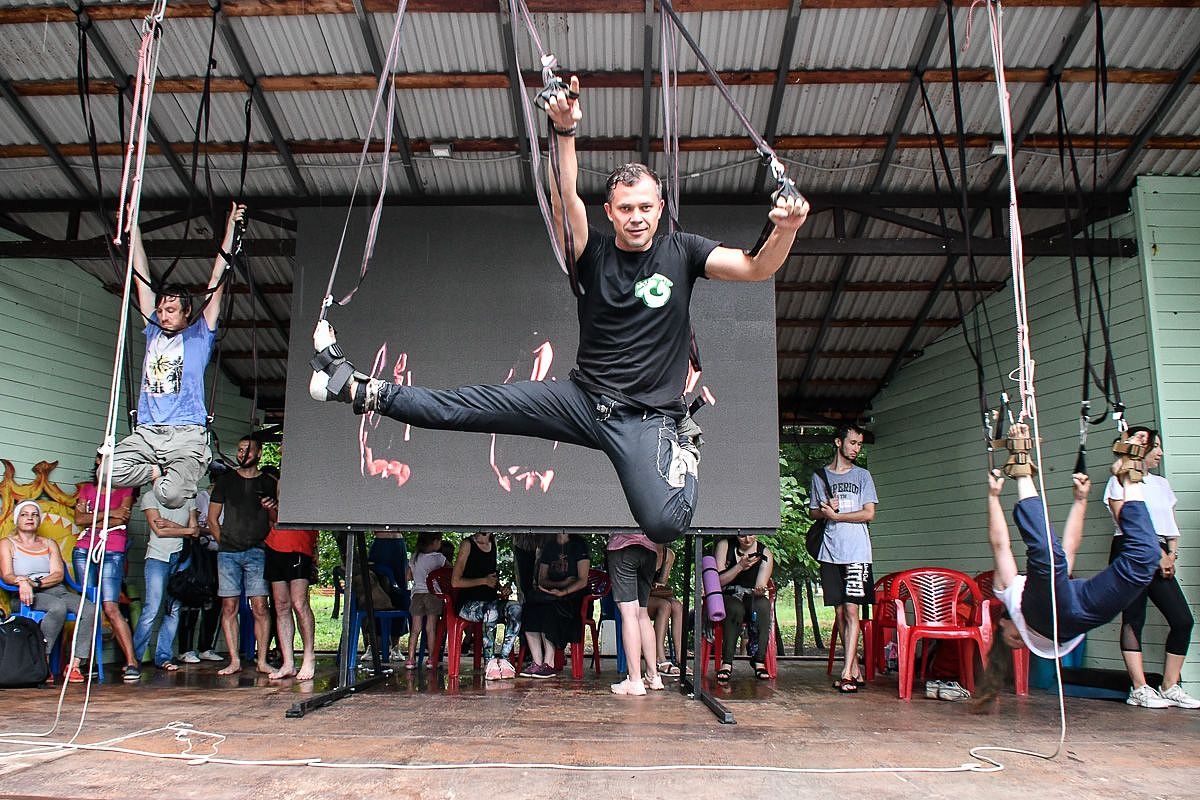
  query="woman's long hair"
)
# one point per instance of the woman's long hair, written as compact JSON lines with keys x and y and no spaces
{"x":996,"y":672}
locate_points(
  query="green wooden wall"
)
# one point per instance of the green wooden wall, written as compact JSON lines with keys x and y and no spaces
{"x":58,"y":327}
{"x":929,"y":462}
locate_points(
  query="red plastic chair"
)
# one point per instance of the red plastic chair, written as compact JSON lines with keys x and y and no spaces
{"x":598,"y":586}
{"x":873,"y":630}
{"x":451,"y":626}
{"x":1020,"y":655}
{"x":937,"y":597}
{"x":713,"y":651}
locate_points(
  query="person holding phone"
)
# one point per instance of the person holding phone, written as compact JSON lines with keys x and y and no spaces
{"x":746,"y":565}
{"x":248,"y":498}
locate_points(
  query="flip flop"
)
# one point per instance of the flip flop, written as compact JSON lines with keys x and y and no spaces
{"x":847,"y":686}
{"x":761,"y":673}
{"x":724,"y":674}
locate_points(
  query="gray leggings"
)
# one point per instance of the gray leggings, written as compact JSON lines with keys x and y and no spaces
{"x":488,"y":612}
{"x":57,"y":602}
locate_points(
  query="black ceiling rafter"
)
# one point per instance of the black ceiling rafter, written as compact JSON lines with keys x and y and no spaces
{"x":905,"y":220}
{"x":954,"y":246}
{"x":43,"y":139}
{"x":371,"y":40}
{"x":20,"y":229}
{"x":920,"y":63}
{"x":782,"y":69}
{"x":1150,"y":126}
{"x":122,"y":79}
{"x":1078,"y":27}
{"x":515,"y":89}
{"x":649,"y":20}
{"x":261,"y":106}
{"x":97,"y":248}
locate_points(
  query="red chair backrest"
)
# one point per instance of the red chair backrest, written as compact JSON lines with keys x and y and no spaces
{"x":986,"y":583}
{"x":938,"y":596}
{"x":439,"y":582}
{"x":598,"y":583}
{"x":885,"y":594}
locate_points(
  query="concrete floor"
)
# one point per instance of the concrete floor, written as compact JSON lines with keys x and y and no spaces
{"x":798,"y":721}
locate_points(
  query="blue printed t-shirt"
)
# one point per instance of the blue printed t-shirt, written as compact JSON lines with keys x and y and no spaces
{"x":634,"y":328}
{"x":845,"y":542}
{"x":173,"y":374}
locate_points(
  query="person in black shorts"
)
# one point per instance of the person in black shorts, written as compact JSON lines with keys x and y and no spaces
{"x":289,"y":570}
{"x":625,"y":395}
{"x":631,"y":560}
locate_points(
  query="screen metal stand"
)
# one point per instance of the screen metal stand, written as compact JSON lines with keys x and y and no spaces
{"x":691,"y":685}
{"x":347,"y":682}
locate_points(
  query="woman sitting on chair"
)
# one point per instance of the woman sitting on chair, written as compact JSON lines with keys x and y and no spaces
{"x":34,"y":565}
{"x":746,"y":566}
{"x":551,"y":616}
{"x":482,"y":598}
{"x":1082,"y":604}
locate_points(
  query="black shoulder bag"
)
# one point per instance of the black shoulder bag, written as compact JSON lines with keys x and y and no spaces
{"x":816,"y":532}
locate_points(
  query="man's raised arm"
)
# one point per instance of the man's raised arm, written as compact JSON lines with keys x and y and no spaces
{"x":565,"y":113}
{"x":728,"y":264}
{"x":212,"y":311}
{"x":141,"y":273}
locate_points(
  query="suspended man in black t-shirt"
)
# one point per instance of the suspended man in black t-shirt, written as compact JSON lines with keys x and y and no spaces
{"x":625,"y":396}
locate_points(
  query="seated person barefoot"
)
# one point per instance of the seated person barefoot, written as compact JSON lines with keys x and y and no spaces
{"x":746,"y":566}
{"x":1082,"y":604}
{"x":665,"y":609}
{"x":34,"y":565}
{"x":481,"y":599}
{"x":552,"y":616}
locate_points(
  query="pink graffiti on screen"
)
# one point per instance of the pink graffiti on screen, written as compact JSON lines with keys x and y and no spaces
{"x":522,"y":476}
{"x":384,"y":468}
{"x":693,"y":378}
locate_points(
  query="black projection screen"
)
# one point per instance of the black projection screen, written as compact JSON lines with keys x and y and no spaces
{"x":461,"y":295}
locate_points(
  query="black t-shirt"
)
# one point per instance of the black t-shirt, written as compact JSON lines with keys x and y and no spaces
{"x":479,"y":564}
{"x":634,"y":328}
{"x":562,"y":560}
{"x":246,"y":523}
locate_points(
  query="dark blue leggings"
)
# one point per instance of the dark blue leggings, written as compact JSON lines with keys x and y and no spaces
{"x":638,"y":442}
{"x":1083,"y":604}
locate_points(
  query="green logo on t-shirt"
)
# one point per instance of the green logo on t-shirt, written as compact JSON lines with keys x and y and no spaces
{"x":654,"y":291}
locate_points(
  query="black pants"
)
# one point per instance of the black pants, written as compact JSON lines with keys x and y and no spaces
{"x":641,"y":444}
{"x":1167,"y":596}
{"x":735,"y":615}
{"x":208,"y":618}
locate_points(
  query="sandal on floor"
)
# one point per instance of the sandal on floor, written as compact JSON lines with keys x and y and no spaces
{"x":761,"y":673}
{"x":847,"y":686}
{"x":667,"y":669}
{"x":724,"y":674}
{"x":168,"y":666}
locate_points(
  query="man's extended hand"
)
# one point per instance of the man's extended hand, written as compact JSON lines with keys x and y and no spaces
{"x":789,"y":213}
{"x":995,"y":483}
{"x":564,"y":111}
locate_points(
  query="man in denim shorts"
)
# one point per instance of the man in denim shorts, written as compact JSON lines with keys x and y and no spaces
{"x":248,"y":498}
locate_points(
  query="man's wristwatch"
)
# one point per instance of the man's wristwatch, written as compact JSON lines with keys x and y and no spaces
{"x":37,"y":583}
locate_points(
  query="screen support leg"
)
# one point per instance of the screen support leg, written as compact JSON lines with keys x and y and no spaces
{"x":692,"y":685}
{"x":347,"y":681}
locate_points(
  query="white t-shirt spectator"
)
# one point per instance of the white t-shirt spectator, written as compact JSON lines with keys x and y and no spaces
{"x":1160,"y":502}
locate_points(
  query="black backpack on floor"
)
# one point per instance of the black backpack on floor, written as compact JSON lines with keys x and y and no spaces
{"x":22,"y":653}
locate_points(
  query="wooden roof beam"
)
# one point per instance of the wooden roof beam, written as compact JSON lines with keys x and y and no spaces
{"x":36,"y":14}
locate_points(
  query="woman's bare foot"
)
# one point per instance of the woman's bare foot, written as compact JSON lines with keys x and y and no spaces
{"x":286,"y":671}
{"x":234,"y":668}
{"x":307,"y":670}
{"x":264,"y":667}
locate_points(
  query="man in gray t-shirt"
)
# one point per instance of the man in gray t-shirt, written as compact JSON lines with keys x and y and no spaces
{"x":847,"y":506}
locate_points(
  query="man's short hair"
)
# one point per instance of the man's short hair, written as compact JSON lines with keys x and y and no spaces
{"x":629,"y":175}
{"x":842,"y":431}
{"x":174,"y":290}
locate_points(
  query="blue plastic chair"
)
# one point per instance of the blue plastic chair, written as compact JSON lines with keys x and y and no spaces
{"x":37,"y":616}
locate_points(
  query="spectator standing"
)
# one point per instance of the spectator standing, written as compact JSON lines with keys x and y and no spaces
{"x":845,"y":557}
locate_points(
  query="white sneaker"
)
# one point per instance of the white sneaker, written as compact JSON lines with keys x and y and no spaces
{"x":211,"y":655}
{"x":1147,"y":697}
{"x":932,"y":688}
{"x":366,"y":660}
{"x":952,"y":690}
{"x":398,"y":653}
{"x":1177,"y":697}
{"x":190,"y":657}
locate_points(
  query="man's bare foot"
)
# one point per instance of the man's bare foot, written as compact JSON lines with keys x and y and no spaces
{"x":307,"y":670}
{"x":234,"y":668}
{"x":264,"y":667}
{"x":286,"y":671}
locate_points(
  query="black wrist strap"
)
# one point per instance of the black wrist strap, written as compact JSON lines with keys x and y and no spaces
{"x":571,"y":131}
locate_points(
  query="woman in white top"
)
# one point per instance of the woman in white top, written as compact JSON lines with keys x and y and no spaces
{"x":1164,"y":590}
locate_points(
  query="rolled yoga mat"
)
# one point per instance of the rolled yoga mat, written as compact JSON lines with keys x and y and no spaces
{"x":714,"y":601}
